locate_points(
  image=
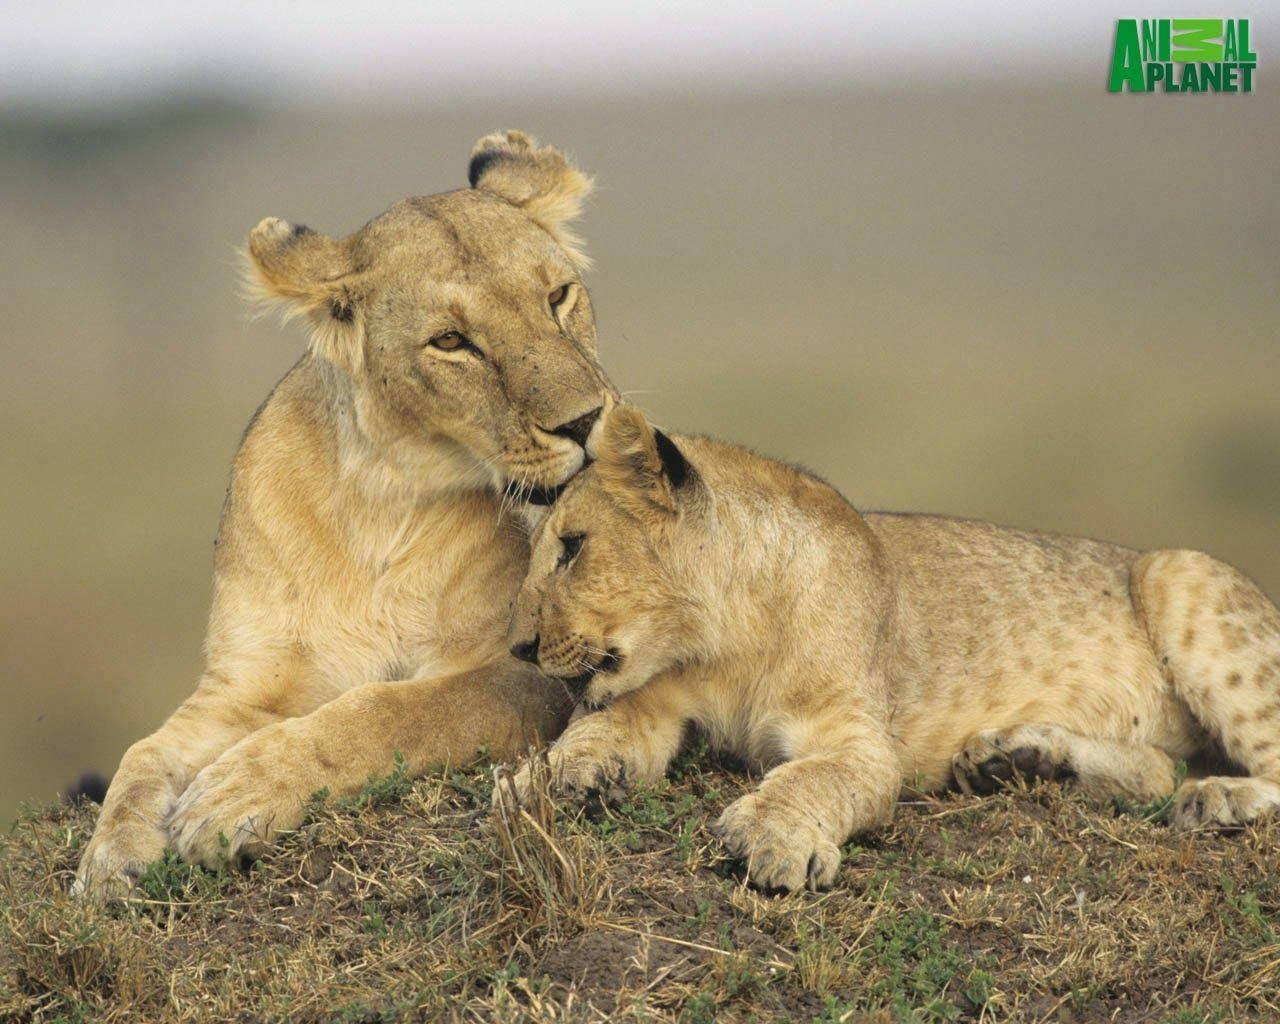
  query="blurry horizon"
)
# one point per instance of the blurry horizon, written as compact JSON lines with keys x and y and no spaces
{"x":323,"y":51}
{"x":958,"y":278}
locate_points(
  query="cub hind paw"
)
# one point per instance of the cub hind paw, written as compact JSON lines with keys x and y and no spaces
{"x":994,"y":759}
{"x":1224,"y":802}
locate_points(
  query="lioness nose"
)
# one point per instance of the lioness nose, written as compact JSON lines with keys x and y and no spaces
{"x":578,"y":429}
{"x":527,"y":650}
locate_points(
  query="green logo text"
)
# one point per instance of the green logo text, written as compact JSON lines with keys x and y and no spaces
{"x":1182,"y":55}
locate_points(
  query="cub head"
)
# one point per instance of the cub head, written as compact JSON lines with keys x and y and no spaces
{"x":458,"y":322}
{"x":605,"y":605}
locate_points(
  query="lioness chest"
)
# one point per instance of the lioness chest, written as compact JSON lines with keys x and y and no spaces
{"x":346,"y":577}
{"x":433,"y":600}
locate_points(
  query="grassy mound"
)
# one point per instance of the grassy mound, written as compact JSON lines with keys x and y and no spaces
{"x":410,"y":902}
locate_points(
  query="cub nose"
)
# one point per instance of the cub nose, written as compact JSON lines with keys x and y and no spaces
{"x":527,"y":650}
{"x":578,"y":429}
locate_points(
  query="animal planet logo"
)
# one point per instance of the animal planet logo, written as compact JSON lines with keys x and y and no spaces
{"x":1212,"y":53}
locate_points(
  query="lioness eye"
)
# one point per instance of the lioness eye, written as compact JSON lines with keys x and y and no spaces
{"x":571,"y":544}
{"x":450,"y":341}
{"x":558,"y":296}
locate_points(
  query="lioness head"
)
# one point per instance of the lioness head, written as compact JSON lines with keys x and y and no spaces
{"x":460,"y":321}
{"x":603,"y":606}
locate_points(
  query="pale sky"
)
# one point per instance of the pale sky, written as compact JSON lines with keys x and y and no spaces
{"x":110,"y":50}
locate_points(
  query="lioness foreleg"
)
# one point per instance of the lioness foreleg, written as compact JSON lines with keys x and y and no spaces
{"x":261,"y":786}
{"x":844,"y":779}
{"x":130,"y":832}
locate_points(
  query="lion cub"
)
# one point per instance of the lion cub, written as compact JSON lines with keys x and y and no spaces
{"x":689,"y":581}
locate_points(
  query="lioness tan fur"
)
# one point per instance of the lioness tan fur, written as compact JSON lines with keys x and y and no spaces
{"x":690,"y":581}
{"x":367,"y":556}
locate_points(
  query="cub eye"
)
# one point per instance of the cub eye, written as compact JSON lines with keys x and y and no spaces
{"x":557,"y":297}
{"x":450,"y":341}
{"x":572,"y":544}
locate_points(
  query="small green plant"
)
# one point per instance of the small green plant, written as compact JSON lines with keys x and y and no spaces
{"x":977,"y":988}
{"x":916,"y":973}
{"x":1196,"y":1015}
{"x":700,"y":1008}
{"x":1157,"y":811}
{"x":171,"y":880}
{"x":381,"y":789}
{"x":732,"y":980}
{"x":1250,"y":922}
{"x":372,"y":919}
{"x":834,"y":1011}
{"x":691,"y":760}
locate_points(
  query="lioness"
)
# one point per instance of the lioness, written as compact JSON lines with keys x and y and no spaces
{"x":367,"y":558}
{"x":685,"y":580}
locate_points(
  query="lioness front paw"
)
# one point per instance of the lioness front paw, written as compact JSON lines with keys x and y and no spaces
{"x":582,"y":776}
{"x":994,"y":758}
{"x":782,"y":849}
{"x":1220,"y":802}
{"x":115,"y":859}
{"x":235,"y":807}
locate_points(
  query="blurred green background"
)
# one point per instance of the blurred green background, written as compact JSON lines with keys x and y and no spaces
{"x":1016,"y":299}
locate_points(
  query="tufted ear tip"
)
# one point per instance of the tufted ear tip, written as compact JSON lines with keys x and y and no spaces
{"x":538,"y":180}
{"x":306,"y":274}
{"x":636,"y":459}
{"x":495,"y":147}
{"x":290,"y":258}
{"x":479,"y":161}
{"x":273,"y":231}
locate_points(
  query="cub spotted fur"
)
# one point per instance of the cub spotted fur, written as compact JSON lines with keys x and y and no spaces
{"x":690,"y":581}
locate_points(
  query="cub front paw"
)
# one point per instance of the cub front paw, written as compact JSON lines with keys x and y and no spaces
{"x":115,"y":859}
{"x":580,"y":776}
{"x":781,"y":848}
{"x":233,"y":808}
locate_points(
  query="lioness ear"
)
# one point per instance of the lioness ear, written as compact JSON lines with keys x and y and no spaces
{"x":636,"y":459}
{"x":311,"y":275}
{"x":538,"y":180}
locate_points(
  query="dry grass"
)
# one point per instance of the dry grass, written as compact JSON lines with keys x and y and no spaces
{"x":412,"y":902}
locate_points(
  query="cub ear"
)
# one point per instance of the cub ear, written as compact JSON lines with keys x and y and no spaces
{"x":637,"y":459}
{"x":675,"y":467}
{"x":540,"y":181}
{"x":308,"y":274}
